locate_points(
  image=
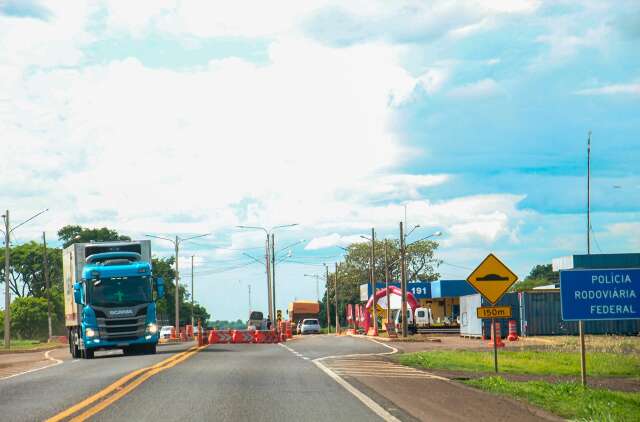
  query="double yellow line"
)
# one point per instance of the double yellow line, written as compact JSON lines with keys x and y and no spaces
{"x":114,"y":392}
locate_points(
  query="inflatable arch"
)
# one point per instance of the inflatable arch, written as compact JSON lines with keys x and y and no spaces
{"x":393,"y":290}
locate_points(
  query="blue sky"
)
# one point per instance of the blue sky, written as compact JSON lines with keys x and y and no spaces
{"x":172,"y":117}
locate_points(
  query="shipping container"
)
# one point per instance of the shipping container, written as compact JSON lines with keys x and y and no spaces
{"x":474,"y":326}
{"x":470,"y":325}
{"x":541,"y":315}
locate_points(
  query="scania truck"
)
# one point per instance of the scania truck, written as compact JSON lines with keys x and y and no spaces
{"x":109,"y":297}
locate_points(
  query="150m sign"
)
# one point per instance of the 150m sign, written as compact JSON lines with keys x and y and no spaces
{"x":485,"y":312}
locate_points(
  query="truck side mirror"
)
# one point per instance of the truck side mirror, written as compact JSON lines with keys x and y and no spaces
{"x":160,"y":287}
{"x":77,"y":293}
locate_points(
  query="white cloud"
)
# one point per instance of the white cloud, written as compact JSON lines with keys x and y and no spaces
{"x":478,"y":89}
{"x":629,"y":232}
{"x":613,"y":89}
{"x":333,"y":240}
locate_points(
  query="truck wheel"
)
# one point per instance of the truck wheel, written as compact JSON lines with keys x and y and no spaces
{"x":151,"y":349}
{"x":73,"y":347}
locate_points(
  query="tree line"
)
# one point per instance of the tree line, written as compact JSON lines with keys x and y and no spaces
{"x":28,"y":287}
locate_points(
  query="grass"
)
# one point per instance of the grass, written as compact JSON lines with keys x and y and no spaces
{"x":528,"y":362}
{"x":27,"y":345}
{"x":569,"y":400}
{"x":601,"y":343}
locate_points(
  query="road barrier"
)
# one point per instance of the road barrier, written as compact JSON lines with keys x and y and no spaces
{"x":496,"y":331}
{"x":241,"y":336}
{"x":513,"y":330}
{"x":289,"y":331}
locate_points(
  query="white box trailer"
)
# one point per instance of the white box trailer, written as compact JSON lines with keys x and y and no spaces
{"x":74,"y":259}
{"x":470,"y":324}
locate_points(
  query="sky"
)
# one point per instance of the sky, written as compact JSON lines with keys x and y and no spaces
{"x":171,"y":117}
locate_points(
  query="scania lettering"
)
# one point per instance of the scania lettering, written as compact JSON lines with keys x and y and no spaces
{"x":110,"y":297}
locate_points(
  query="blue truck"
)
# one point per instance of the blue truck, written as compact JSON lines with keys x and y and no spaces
{"x":110,"y":296}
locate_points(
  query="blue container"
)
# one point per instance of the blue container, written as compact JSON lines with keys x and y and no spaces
{"x":451,"y":288}
{"x":540,"y":316}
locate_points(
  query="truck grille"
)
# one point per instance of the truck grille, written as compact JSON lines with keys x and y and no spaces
{"x":121,"y":328}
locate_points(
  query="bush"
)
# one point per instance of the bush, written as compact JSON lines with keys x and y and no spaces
{"x":29,"y":318}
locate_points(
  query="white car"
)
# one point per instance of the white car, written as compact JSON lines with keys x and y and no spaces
{"x":165,"y":331}
{"x":310,"y":326}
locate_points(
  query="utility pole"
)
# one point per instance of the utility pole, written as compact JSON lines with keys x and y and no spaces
{"x":249,"y":299}
{"x":176,"y":245}
{"x":403,"y":282}
{"x":273,"y":279}
{"x":583,"y":361}
{"x":192,"y":320}
{"x":335,"y":277}
{"x":267,"y":257}
{"x":327,"y":310}
{"x":7,"y":291}
{"x":373,"y":281}
{"x":386,"y":284}
{"x":177,"y":304}
{"x":45,"y":263}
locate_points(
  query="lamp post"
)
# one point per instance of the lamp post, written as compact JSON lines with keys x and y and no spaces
{"x":176,"y":245}
{"x":372,"y":264}
{"x":7,"y":291}
{"x":271,"y":264}
{"x":403,"y":271}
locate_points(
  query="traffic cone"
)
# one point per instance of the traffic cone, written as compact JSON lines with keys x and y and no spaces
{"x":513,"y":331}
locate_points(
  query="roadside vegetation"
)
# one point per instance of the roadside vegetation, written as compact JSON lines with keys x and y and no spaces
{"x":527,"y":362}
{"x":29,"y":345}
{"x":567,"y":399}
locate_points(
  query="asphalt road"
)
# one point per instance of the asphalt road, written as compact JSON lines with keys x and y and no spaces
{"x":220,"y":382}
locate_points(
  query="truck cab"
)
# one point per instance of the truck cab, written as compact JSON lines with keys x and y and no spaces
{"x":112,"y":305}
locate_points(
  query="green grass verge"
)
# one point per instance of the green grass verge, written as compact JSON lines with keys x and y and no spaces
{"x":567,"y":399}
{"x":27,"y":345}
{"x":533,"y":362}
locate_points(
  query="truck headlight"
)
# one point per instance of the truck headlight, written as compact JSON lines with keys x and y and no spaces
{"x":90,"y":332}
{"x":152,"y":328}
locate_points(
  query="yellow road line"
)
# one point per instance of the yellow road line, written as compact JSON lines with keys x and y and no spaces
{"x":114,"y":386}
{"x":130,"y":387}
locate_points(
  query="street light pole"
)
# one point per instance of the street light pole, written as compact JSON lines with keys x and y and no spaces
{"x":271,"y":263}
{"x":192,"y":320}
{"x":403,"y":282}
{"x":373,"y":281}
{"x":267,"y":257}
{"x":273,"y":280}
{"x":335,"y":277}
{"x":177,"y":294}
{"x":327,"y":310}
{"x":176,"y":245}
{"x":7,"y":291}
{"x":386,"y":284}
{"x":45,"y":264}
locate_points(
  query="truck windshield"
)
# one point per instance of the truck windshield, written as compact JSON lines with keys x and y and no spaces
{"x":120,"y":291}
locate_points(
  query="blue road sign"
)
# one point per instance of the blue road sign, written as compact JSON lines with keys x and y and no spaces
{"x":420,"y":290}
{"x":600,"y":294}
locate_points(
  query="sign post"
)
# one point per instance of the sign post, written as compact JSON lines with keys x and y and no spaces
{"x":596,"y":295}
{"x":492,"y":279}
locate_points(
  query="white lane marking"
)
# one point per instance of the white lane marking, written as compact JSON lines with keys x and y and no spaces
{"x":372,"y":405}
{"x":305,"y":358}
{"x":46,"y":355}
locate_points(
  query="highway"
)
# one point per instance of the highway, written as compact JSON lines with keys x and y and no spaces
{"x":311,"y":378}
{"x":218,"y":382}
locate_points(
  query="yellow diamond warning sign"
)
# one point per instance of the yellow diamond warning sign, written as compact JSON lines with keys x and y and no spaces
{"x":492,"y":278}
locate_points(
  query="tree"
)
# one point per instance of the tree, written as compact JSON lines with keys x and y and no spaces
{"x":540,"y":275}
{"x":29,"y":317}
{"x":27,"y":270}
{"x":77,"y":234}
{"x":354,"y":271}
